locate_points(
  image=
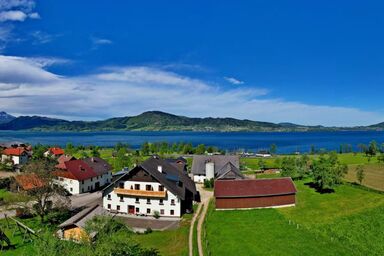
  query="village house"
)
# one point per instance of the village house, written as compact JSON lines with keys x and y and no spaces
{"x":27,"y":182}
{"x":74,"y":227}
{"x":211,"y":167}
{"x":153,"y":187}
{"x":83,"y":175}
{"x":17,"y":156}
{"x":54,"y":152}
{"x":254,"y":193}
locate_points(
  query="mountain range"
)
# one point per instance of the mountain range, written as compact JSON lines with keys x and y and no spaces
{"x":159,"y":121}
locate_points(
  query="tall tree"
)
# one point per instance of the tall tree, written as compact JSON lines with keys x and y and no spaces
{"x":360,"y":174}
{"x":46,"y":192}
{"x":273,"y":148}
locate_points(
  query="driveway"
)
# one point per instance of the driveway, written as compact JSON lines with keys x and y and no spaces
{"x":86,"y":199}
{"x":140,"y":224}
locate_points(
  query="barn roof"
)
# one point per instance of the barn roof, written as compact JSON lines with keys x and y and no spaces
{"x":198,"y":163}
{"x":56,"y":151}
{"x":14,"y":151}
{"x":253,"y":187}
{"x":81,"y":218}
{"x":29,"y":181}
{"x":230,"y":172}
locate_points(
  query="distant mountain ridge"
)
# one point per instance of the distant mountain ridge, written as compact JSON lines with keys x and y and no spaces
{"x":5,"y":118}
{"x":161,"y":121}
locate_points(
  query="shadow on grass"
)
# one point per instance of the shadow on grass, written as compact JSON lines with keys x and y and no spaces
{"x":318,"y":189}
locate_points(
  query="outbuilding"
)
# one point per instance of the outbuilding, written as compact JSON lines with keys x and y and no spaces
{"x":254,"y":193}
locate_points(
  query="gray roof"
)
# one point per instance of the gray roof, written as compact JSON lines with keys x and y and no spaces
{"x":98,"y":165}
{"x":81,"y":218}
{"x":198,"y":163}
{"x":230,"y":172}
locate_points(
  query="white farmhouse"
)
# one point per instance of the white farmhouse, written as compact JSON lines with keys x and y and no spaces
{"x":16,"y":155}
{"x":84,"y":175}
{"x":154,"y":187}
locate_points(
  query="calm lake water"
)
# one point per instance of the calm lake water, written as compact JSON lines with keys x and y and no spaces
{"x":287,"y":142}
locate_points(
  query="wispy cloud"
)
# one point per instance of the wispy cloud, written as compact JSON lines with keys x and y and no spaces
{"x":12,"y":16}
{"x":41,"y":37}
{"x":119,"y":91}
{"x":97,"y":42}
{"x":233,"y":80}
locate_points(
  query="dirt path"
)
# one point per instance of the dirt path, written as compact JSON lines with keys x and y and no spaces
{"x":205,"y":198}
{"x":190,"y":242}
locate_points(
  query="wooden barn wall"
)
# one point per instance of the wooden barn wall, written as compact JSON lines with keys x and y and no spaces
{"x":254,"y":202}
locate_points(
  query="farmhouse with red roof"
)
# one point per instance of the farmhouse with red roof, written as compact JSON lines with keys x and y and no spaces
{"x":254,"y":193}
{"x":84,"y":175}
{"x":16,"y":155}
{"x":54,"y":152}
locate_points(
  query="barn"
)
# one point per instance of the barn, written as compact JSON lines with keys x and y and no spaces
{"x":254,"y":193}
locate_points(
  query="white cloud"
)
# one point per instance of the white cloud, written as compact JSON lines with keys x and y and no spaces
{"x":233,"y":80}
{"x":34,"y":15}
{"x":29,"y":89}
{"x":12,"y":16}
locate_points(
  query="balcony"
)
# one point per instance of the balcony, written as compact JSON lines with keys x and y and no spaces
{"x":142,"y":193}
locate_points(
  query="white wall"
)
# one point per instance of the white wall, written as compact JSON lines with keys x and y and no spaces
{"x":23,"y":159}
{"x":199,"y":178}
{"x":77,"y":187}
{"x":154,"y":205}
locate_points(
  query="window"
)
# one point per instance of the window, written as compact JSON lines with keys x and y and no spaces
{"x":91,"y":179}
{"x":137,"y":200}
{"x":137,"y":186}
{"x":148,"y":201}
{"x":109,"y":206}
{"x":109,"y":197}
{"x":121,"y":199}
{"x":82,"y":182}
{"x":148,"y":211}
{"x":148,"y":187}
{"x":71,"y":189}
{"x":82,"y":190}
{"x":172,"y":201}
{"x":162,"y":211}
{"x":161,"y":202}
{"x":161,"y":188}
{"x":172,"y":212}
{"x":121,"y":185}
{"x":118,"y":207}
{"x":137,"y":209}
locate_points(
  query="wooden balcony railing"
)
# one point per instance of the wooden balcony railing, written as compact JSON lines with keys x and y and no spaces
{"x":143,"y":193}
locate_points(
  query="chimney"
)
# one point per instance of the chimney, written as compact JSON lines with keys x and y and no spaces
{"x":160,"y":168}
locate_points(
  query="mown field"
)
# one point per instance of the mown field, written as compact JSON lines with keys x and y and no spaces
{"x":373,"y":170}
{"x":346,"y":222}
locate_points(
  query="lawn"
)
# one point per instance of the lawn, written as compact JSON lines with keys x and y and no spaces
{"x":347,"y":222}
{"x":169,"y":242}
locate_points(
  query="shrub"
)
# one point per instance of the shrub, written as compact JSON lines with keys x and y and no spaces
{"x":156,"y":214}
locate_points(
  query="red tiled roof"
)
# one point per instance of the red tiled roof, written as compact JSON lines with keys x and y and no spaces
{"x":62,"y":159}
{"x":29,"y":181}
{"x":14,"y":151}
{"x":80,"y":169}
{"x":254,"y":187}
{"x":56,"y":151}
{"x":64,"y":174}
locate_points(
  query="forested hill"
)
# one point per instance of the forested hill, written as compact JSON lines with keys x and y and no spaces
{"x":153,"y":121}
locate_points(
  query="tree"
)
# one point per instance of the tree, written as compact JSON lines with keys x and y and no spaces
{"x":362,"y":147}
{"x":45,"y":190}
{"x":188,"y":149}
{"x":288,"y":167}
{"x":95,"y":152}
{"x":372,"y":148}
{"x":200,"y":149}
{"x":273,"y":148}
{"x":145,"y":148}
{"x":262,"y":164}
{"x":312,"y":151}
{"x":380,"y":158}
{"x":122,"y":159}
{"x":70,"y":149}
{"x":327,"y":171}
{"x":38,"y":151}
{"x":360,"y":173}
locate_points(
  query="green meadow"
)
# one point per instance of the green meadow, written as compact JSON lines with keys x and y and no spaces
{"x":346,"y":222}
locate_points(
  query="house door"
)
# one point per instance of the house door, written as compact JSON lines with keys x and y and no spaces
{"x":97,"y":185}
{"x":131,"y":209}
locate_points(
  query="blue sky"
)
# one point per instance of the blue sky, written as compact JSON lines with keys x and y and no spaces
{"x":278,"y":61}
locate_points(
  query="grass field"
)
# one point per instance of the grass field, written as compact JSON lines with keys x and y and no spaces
{"x":374,"y":175}
{"x":169,"y":242}
{"x":347,"y":222}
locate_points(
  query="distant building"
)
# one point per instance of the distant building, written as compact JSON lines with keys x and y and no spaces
{"x":263,"y":153}
{"x":153,"y":186}
{"x":254,"y":193}
{"x":62,"y":159}
{"x":18,"y":156}
{"x":84,"y":175}
{"x":54,"y":152}
{"x":208,"y":167}
{"x":27,"y":182}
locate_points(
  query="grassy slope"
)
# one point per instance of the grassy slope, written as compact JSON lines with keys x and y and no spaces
{"x":351,"y":217}
{"x":170,"y":242}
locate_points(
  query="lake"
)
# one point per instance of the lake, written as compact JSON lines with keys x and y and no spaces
{"x":287,"y":142}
